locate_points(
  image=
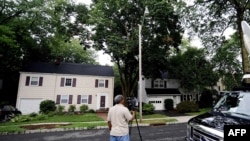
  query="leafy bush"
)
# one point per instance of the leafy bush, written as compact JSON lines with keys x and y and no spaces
{"x":33,"y":114}
{"x":83,"y":108}
{"x":22,"y":118}
{"x":91,"y":111}
{"x":29,"y":117}
{"x":60,"y":109}
{"x":47,"y":106}
{"x":169,"y":104}
{"x":148,"y":109}
{"x":187,"y":106}
{"x":42,"y":117}
{"x":72,"y":108}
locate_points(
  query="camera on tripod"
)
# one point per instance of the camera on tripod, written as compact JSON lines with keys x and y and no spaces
{"x":132,"y":103}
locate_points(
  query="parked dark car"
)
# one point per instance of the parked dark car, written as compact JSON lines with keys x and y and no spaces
{"x":7,"y":112}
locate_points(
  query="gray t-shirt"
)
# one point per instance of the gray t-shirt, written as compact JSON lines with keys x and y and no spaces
{"x":119,"y":116}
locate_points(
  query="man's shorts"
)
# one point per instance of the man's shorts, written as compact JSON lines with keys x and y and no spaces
{"x":119,"y":138}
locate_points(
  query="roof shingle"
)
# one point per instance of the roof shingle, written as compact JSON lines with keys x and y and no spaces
{"x":165,"y":91}
{"x":69,"y":68}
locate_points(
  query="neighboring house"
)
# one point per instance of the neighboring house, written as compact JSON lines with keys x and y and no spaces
{"x":157,"y":90}
{"x":66,"y":84}
{"x":219,"y":86}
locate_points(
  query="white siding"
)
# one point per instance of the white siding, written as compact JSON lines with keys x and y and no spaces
{"x":85,"y":85}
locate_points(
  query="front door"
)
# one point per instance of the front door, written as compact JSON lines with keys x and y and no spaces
{"x":102,"y":102}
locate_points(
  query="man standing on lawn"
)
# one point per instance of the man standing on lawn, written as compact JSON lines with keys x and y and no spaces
{"x":118,"y":118}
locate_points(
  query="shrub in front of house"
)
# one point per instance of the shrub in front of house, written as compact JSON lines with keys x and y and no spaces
{"x":187,"y":106}
{"x":169,"y":104}
{"x":29,"y":117}
{"x":91,"y":111}
{"x":60,"y":109}
{"x":47,"y":106}
{"x":84,"y":108}
{"x":148,"y":108}
{"x":72,"y":109}
{"x":33,"y":114}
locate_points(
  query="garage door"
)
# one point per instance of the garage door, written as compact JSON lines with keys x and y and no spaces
{"x":157,"y":102}
{"x":28,"y":106}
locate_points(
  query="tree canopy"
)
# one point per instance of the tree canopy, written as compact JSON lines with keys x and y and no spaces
{"x":227,"y":62}
{"x":38,"y":30}
{"x":209,"y":19}
{"x":115,"y":25}
{"x":193,"y":69}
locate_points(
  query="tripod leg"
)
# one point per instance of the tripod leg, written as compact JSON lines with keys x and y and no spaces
{"x":138,"y":127}
{"x":130,"y":127}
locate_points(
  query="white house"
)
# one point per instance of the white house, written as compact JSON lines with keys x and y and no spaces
{"x":66,"y":84}
{"x":157,"y":90}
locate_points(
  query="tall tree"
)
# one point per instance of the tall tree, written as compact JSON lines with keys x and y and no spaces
{"x":227,"y":62}
{"x":115,"y":25}
{"x":193,"y":69}
{"x":33,"y":30}
{"x":210,"y":18}
{"x":72,"y":51}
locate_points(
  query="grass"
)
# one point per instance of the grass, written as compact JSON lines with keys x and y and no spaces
{"x":201,"y":111}
{"x":88,"y":120}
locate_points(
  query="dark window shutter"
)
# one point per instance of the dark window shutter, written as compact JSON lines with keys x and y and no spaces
{"x":78,"y":99}
{"x":74,"y":82}
{"x":152,"y":83}
{"x":96,"y":83}
{"x":62,"y":81}
{"x":106,"y":83}
{"x":40,"y":81}
{"x":58,"y":98}
{"x":165,"y":84}
{"x":90,"y":99}
{"x":70,"y":99}
{"x":27,"y":81}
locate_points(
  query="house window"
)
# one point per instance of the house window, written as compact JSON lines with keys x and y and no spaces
{"x":101,"y":83}
{"x":34,"y":81}
{"x":68,"y":82}
{"x":158,"y":84}
{"x":64,"y":99}
{"x":84,"y":99}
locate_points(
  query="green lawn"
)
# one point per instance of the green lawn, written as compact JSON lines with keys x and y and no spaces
{"x":201,"y":111}
{"x":88,"y":120}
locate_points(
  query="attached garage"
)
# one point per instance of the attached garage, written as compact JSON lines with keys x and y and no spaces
{"x":157,"y":96}
{"x":29,"y":105}
{"x":157,"y":102}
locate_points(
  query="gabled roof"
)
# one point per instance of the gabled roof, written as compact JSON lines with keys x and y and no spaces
{"x":165,"y":91}
{"x":69,"y":68}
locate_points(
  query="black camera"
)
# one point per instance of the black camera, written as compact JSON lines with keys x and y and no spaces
{"x":132,"y":103}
